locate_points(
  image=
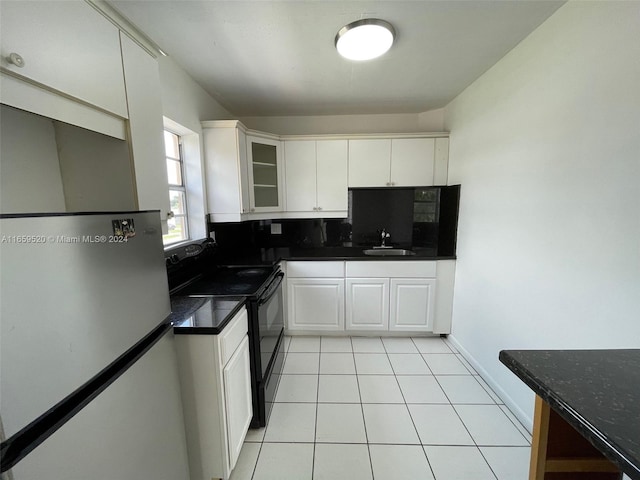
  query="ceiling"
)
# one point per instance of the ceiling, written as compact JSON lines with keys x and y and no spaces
{"x":277,"y":58}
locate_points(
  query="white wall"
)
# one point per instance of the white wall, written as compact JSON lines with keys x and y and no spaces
{"x":432,"y":121}
{"x":30,"y":178}
{"x":546,"y":145}
{"x":183,"y":100}
{"x":184,"y":105}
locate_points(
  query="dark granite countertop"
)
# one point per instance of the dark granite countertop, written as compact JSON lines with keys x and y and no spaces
{"x":595,"y":391}
{"x":203,"y":315}
{"x":271,"y":256}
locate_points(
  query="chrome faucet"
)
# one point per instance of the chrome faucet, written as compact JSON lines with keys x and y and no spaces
{"x":384,"y":236}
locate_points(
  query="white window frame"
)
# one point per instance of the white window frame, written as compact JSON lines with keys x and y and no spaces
{"x":193,"y":178}
{"x":182,"y":188}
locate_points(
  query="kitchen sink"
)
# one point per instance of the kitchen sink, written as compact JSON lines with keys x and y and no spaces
{"x":388,"y":252}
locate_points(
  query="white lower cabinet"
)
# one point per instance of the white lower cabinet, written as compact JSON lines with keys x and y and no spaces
{"x":316,"y":304}
{"x":412,"y":304}
{"x":367,"y":304}
{"x":237,"y":399}
{"x":216,"y":396}
{"x":315,"y":296}
{"x":370,"y":296}
{"x":390,"y":295}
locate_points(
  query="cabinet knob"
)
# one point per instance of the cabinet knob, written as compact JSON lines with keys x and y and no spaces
{"x":16,"y":60}
{"x":253,"y":209}
{"x":388,"y":184}
{"x":319,"y":208}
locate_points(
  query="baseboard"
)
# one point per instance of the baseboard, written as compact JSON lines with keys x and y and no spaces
{"x":523,"y":417}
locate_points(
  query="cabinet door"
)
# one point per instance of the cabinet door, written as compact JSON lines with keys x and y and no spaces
{"x":237,"y":399}
{"x":68,"y":47}
{"x":367,"y":303}
{"x":331,"y":173}
{"x":412,"y":304}
{"x":315,"y":304}
{"x":300,"y":175}
{"x":369,"y":162}
{"x":412,"y":161}
{"x":226,"y":172}
{"x":146,"y":129}
{"x":243,"y":167}
{"x":265,"y":174}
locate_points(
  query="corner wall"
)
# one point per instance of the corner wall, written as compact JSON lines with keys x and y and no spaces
{"x":184,"y":105}
{"x":546,"y":145}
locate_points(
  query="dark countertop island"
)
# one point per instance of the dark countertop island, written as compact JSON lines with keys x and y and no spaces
{"x":597,"y":392}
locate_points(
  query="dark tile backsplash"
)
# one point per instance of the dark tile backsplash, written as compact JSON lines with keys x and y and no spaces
{"x":424,"y":217}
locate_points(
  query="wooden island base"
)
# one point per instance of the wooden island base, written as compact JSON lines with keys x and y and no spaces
{"x":559,"y":452}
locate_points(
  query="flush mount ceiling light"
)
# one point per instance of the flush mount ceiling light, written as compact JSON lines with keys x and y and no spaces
{"x":365,"y":39}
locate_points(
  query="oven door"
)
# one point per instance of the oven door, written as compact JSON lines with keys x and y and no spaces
{"x":270,"y":322}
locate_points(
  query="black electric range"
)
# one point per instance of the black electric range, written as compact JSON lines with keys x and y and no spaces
{"x":193,"y":272}
{"x":229,"y":281}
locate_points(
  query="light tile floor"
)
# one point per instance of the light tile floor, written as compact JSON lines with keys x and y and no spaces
{"x":383,"y":408}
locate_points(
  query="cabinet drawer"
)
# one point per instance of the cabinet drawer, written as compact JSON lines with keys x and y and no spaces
{"x":315,"y":269}
{"x":390,"y":269}
{"x":233,"y":335}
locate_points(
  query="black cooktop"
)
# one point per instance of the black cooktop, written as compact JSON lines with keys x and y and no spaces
{"x":229,"y":281}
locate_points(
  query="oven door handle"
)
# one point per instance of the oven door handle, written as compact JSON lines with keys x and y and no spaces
{"x":271,"y":289}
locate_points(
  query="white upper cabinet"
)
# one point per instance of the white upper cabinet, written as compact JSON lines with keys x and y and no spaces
{"x":397,"y":162}
{"x":256,"y":175}
{"x":266,"y":184}
{"x":331,"y":175}
{"x":300,"y":178}
{"x":316,"y":176}
{"x":244,"y":173}
{"x":412,"y":161}
{"x":369,"y":162}
{"x":226,"y":170}
{"x":67,"y":47}
{"x":146,"y":129}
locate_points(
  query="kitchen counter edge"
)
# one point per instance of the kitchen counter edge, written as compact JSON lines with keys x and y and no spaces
{"x":274,"y":255}
{"x":598,"y":438}
{"x":177,"y":317}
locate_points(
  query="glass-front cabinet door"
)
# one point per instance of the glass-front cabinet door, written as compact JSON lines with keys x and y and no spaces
{"x":265,"y":174}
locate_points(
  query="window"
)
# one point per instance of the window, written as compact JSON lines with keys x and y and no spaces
{"x":178,"y":225}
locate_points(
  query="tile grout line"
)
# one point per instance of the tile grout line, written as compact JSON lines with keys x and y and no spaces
{"x":424,"y":452}
{"x":487,"y":462}
{"x":315,"y":429}
{"x":475,"y":444}
{"x":255,"y":466}
{"x":364,"y":422}
{"x":396,"y":375}
{"x":513,"y":420}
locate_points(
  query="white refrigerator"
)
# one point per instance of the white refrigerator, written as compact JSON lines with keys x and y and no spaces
{"x":89,"y":388}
